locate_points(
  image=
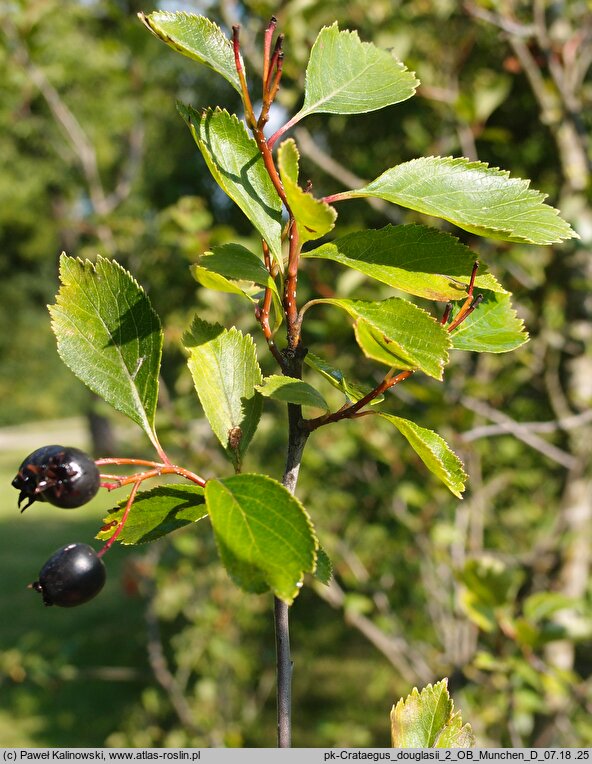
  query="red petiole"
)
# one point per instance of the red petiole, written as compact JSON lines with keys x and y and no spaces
{"x":157,"y":469}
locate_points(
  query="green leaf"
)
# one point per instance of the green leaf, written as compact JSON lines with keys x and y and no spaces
{"x":409,"y":335}
{"x":109,"y":336}
{"x":264,"y":535}
{"x":412,"y":258}
{"x":324,"y":568}
{"x":225,"y":371}
{"x":427,"y":719}
{"x":351,"y":390}
{"x":347,"y":76}
{"x":237,"y":263}
{"x":492,"y":327}
{"x":218,"y":283}
{"x":195,"y":37}
{"x":481,"y":199}
{"x":542,"y":605}
{"x":434,"y":452}
{"x":490,"y":587}
{"x":233,"y":262}
{"x":156,"y":513}
{"x":292,"y":390}
{"x":236,"y":164}
{"x":313,"y":218}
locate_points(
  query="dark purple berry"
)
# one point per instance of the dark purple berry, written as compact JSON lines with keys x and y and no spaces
{"x":72,"y":576}
{"x":66,"y":477}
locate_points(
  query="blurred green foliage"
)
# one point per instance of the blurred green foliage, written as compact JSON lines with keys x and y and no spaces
{"x":494,"y":591}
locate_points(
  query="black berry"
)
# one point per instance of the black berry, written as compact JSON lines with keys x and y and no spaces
{"x":66,"y":477}
{"x":72,"y":576}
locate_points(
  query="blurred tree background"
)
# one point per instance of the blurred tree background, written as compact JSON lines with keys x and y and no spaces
{"x":494,"y":591}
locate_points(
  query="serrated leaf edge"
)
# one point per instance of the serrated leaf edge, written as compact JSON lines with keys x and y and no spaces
{"x":90,"y":266}
{"x":307,"y":518}
{"x":469,"y":164}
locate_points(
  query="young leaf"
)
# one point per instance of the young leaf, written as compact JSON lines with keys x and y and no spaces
{"x":109,"y":336}
{"x":433,"y":451}
{"x":195,"y":37}
{"x":347,"y":76}
{"x":225,"y":371}
{"x":427,"y":719}
{"x":313,"y":218}
{"x":351,"y":390}
{"x":264,"y":535}
{"x":413,"y":339}
{"x":236,"y":164}
{"x":481,"y":199}
{"x":291,"y":390}
{"x":156,"y":513}
{"x":413,"y":258}
{"x":492,"y":328}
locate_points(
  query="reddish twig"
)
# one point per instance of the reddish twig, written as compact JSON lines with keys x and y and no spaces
{"x":123,"y":520}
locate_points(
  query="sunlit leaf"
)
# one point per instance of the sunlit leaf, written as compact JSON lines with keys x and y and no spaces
{"x":291,"y":391}
{"x":156,"y":513}
{"x":352,"y":390}
{"x":427,"y":719}
{"x":493,"y":327}
{"x":237,"y":263}
{"x":225,"y":370}
{"x":236,"y":164}
{"x":414,"y":339}
{"x":481,"y":199}
{"x":434,"y":452}
{"x":313,"y":218}
{"x":217,"y":283}
{"x":109,"y":336}
{"x":412,"y":258}
{"x":347,"y":76}
{"x":196,"y":37}
{"x":264,"y":535}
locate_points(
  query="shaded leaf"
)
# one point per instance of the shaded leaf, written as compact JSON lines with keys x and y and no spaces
{"x":225,"y":370}
{"x":324,"y":569}
{"x":196,"y":37}
{"x":493,"y":327}
{"x":234,"y":262}
{"x":347,"y":76}
{"x":235,"y":162}
{"x":237,"y":263}
{"x":412,"y":338}
{"x":313,"y":218}
{"x":352,"y":391}
{"x":291,"y":390}
{"x":109,"y":336}
{"x":264,"y":535}
{"x":434,"y":452}
{"x":412,"y":258}
{"x":218,"y":283}
{"x":156,"y":513}
{"x":427,"y":719}
{"x":481,"y":199}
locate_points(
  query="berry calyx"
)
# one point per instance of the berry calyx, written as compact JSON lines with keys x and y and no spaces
{"x":61,"y":475}
{"x":72,"y":576}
